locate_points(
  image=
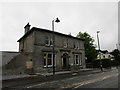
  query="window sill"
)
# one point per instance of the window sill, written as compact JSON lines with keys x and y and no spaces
{"x":48,"y":66}
{"x":49,"y":45}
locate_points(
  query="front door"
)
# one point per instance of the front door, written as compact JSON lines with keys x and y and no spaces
{"x":65,"y":61}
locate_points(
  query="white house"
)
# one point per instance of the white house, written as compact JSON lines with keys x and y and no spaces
{"x":105,"y":56}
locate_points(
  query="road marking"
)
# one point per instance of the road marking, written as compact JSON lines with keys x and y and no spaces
{"x":90,"y":75}
{"x":76,"y":85}
{"x":32,"y":86}
{"x":35,"y":85}
{"x":92,"y":81}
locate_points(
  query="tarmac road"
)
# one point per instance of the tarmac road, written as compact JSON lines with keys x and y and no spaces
{"x":110,"y":82}
{"x":108,"y":79}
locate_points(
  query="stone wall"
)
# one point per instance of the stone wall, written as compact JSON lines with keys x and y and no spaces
{"x":39,"y":47}
{"x":7,"y":56}
{"x":18,"y":64}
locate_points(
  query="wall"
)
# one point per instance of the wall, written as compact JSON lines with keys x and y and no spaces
{"x":39,"y":47}
{"x":27,"y":43}
{"x":7,"y":56}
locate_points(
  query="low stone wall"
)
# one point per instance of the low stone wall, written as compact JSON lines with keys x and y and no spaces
{"x":16,"y":66}
{"x":7,"y":56}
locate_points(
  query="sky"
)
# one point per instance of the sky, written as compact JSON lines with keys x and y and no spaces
{"x":74,"y":17}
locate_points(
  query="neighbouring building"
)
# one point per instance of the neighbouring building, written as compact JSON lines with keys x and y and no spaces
{"x":105,"y":55}
{"x":37,"y":45}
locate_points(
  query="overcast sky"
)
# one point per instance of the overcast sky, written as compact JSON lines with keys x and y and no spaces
{"x":74,"y":17}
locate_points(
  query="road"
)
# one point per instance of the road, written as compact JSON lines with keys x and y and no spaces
{"x":108,"y":79}
{"x":111,"y":82}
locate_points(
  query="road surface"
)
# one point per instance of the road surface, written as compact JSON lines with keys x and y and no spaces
{"x":108,"y":79}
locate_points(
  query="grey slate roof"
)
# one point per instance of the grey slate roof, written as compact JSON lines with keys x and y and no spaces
{"x":45,"y":30}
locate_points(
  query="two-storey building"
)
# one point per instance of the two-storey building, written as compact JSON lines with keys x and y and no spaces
{"x":37,"y":45}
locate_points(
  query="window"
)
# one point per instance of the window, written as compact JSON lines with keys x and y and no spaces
{"x":48,"y":59}
{"x":51,"y":42}
{"x":44,"y":56}
{"x":48,"y":41}
{"x":77,"y":60}
{"x":104,"y":56}
{"x":65,"y":44}
{"x":76,"y":45}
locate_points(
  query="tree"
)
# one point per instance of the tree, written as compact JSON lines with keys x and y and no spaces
{"x":116,"y":54}
{"x":90,"y":51}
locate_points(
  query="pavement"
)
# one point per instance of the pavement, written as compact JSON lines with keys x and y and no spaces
{"x":18,"y":76}
{"x":21,"y":76}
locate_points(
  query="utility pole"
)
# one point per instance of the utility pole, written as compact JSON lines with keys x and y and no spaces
{"x":99,"y":51}
{"x":57,"y":20}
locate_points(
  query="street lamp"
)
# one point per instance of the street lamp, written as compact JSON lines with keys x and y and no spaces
{"x":57,"y":21}
{"x":99,"y":51}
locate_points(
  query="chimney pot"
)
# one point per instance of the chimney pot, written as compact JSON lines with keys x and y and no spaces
{"x":27,"y":27}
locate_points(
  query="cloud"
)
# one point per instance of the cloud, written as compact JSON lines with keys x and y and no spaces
{"x":75,"y":17}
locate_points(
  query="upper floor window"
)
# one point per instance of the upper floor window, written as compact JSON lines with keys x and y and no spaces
{"x":65,"y":44}
{"x":76,"y":45}
{"x":48,"y":41}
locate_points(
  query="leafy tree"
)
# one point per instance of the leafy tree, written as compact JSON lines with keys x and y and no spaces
{"x":116,"y":54}
{"x":90,"y":51}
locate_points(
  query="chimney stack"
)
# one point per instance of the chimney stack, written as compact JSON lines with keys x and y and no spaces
{"x":27,"y":27}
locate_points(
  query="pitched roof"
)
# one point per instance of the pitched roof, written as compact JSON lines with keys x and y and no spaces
{"x":46,"y":30}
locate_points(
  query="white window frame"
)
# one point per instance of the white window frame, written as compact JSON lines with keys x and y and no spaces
{"x":79,"y":59}
{"x":46,"y":60}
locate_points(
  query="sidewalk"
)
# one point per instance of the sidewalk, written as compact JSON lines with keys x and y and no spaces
{"x":21,"y":76}
{"x":18,"y":76}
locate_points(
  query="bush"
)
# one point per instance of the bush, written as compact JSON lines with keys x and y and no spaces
{"x":105,"y":63}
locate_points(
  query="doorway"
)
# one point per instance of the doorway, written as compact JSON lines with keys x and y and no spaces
{"x":65,"y":61}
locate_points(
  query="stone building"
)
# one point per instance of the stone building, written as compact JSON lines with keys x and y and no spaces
{"x":37,"y":45}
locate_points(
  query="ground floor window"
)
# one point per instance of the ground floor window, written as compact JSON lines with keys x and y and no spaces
{"x":77,"y":59}
{"x":48,"y":59}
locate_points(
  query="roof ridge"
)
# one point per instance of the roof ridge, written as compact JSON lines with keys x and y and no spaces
{"x":35,"y":28}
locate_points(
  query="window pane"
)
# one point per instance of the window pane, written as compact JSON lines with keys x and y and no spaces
{"x":76,"y":59}
{"x":49,"y":59}
{"x":46,"y":40}
{"x":80,"y":61}
{"x":51,"y":41}
{"x":49,"y":55}
{"x":44,"y":62}
{"x":44,"y":55}
{"x":49,"y":62}
{"x":44,"y":58}
{"x":74,"y":46}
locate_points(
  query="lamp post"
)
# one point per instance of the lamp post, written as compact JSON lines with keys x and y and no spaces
{"x":57,"y":21}
{"x":99,"y":51}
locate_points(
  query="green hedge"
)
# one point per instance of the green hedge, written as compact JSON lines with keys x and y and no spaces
{"x":105,"y":63}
